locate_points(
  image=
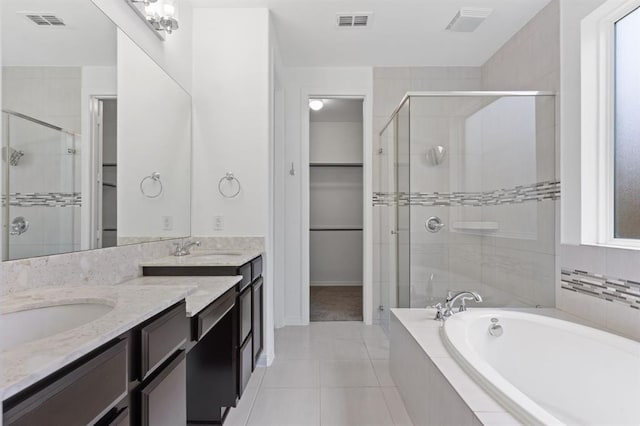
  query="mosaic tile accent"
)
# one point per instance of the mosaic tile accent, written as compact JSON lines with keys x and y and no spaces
{"x":614,"y":290}
{"x":48,"y":199}
{"x":540,"y":191}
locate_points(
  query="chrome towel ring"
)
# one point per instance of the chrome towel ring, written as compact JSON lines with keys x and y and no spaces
{"x":229,"y":177}
{"x":154,"y":177}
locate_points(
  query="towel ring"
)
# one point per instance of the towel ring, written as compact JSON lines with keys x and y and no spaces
{"x":155,"y":176}
{"x":229,"y":177}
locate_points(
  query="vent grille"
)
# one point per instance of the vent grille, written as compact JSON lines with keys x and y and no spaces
{"x":45,"y":19}
{"x":353,"y":20}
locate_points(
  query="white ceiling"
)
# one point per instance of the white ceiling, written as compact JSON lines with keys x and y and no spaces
{"x":89,"y":38}
{"x":338,"y":111}
{"x":403,"y":32}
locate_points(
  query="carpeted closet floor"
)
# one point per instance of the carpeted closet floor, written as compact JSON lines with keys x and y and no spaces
{"x":343,"y":303}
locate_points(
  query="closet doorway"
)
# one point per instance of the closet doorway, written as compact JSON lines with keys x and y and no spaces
{"x":336,"y":209}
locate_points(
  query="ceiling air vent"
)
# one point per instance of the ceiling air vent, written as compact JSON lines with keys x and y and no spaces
{"x":353,"y":20}
{"x":468,"y":19}
{"x":45,"y":19}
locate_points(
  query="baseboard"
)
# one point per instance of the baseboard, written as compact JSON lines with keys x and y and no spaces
{"x":336,"y":284}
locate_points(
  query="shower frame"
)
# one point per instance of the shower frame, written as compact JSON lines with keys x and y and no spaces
{"x":405,"y":101}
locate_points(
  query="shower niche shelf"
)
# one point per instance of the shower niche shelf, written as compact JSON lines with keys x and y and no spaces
{"x":485,"y":226}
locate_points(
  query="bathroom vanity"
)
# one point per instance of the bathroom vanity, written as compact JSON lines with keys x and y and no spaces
{"x":249,"y":300}
{"x":127,"y":366}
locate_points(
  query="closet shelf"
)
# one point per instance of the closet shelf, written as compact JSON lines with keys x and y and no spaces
{"x":336,"y":229}
{"x":335,"y":164}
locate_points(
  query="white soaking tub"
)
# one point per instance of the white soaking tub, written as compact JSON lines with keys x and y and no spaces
{"x":549,"y":371}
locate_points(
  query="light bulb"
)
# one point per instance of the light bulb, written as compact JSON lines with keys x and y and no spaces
{"x":316,"y":104}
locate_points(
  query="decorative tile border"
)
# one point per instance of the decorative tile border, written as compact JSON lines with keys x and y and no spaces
{"x":540,"y":191}
{"x":615,"y":290}
{"x":48,"y":199}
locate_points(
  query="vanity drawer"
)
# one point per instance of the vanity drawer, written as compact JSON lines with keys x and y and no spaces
{"x":245,"y":271}
{"x":256,"y":268}
{"x":246,"y":311}
{"x":80,"y":397}
{"x":210,"y":316}
{"x":163,"y":401}
{"x":162,"y":337}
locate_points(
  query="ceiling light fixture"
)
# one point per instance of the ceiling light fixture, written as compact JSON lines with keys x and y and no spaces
{"x":159,"y":15}
{"x":316,"y":104}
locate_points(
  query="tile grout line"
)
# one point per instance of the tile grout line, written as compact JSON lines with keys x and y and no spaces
{"x":255,"y":397}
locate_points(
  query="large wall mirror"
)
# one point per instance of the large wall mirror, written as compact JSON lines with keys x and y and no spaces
{"x":96,"y":137}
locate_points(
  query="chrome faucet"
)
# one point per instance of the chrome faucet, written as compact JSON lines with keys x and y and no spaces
{"x":444,"y":312}
{"x":183,"y":247}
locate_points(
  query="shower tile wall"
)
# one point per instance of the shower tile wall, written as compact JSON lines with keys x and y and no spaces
{"x":52,"y":95}
{"x":389,"y":86}
{"x":530,"y":60}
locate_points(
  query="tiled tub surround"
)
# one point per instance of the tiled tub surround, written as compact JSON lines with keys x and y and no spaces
{"x":29,"y":362}
{"x":593,"y":283}
{"x":48,"y":199}
{"x":623,"y":292}
{"x":436,"y":390}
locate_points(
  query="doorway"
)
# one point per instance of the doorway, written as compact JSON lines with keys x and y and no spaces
{"x":336,"y":209}
{"x":105,"y":143}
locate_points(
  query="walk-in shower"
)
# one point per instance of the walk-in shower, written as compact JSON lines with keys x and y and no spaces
{"x":466,"y":198}
{"x":40,"y":188}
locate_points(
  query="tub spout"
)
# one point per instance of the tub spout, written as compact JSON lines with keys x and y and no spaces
{"x":463,"y":296}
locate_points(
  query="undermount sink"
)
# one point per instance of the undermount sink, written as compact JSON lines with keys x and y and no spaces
{"x":33,"y":324}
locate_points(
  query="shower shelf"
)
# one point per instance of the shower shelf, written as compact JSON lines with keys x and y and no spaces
{"x":476,"y":226}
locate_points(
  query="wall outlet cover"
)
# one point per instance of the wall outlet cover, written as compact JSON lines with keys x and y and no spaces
{"x":218,"y":223}
{"x":167,"y":223}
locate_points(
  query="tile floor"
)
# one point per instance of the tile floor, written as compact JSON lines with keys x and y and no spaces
{"x":327,"y":373}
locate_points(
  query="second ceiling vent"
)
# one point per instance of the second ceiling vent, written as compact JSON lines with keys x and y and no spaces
{"x":353,"y":20}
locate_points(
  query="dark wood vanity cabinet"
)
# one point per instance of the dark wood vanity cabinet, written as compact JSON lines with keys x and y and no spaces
{"x":139,"y":378}
{"x":249,"y":311}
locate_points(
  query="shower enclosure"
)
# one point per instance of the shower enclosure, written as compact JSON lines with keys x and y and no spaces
{"x":466,"y":198}
{"x":41,"y":199}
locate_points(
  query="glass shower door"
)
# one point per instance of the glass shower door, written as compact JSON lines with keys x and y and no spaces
{"x":41,"y":200}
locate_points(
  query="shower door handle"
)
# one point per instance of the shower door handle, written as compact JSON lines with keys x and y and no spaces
{"x":434,"y":224}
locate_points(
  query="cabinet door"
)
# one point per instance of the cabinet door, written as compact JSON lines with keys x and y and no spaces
{"x":246,"y":364}
{"x":245,"y":314}
{"x":164,"y":399}
{"x":258,"y":335}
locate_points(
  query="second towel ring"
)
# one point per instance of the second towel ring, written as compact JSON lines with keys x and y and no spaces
{"x":229,"y":177}
{"x":155,"y":176}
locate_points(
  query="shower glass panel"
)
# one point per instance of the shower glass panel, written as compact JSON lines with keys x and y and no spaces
{"x":40,"y":196}
{"x":471,"y":201}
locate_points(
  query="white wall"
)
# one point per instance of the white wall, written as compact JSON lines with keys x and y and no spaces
{"x":158,"y":140}
{"x":232,"y":129}
{"x":174,"y":54}
{"x":610,"y":262}
{"x":291,"y":192}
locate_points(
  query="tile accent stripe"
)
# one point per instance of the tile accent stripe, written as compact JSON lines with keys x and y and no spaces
{"x":614,"y":290}
{"x":48,"y":199}
{"x":541,"y":191}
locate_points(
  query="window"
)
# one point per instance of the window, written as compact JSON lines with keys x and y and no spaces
{"x":626,"y":132}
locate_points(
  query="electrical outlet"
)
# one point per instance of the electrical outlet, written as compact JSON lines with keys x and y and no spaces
{"x":218,"y":223}
{"x":167,"y":223}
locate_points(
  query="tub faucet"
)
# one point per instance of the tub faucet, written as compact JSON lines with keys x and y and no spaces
{"x":444,"y":312}
{"x":183,"y":247}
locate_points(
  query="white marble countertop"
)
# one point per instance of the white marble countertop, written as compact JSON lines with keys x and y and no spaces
{"x":27,"y":363}
{"x":208,"y":288}
{"x":207,"y":258}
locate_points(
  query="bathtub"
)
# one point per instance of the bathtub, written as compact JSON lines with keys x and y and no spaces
{"x":549,"y":371}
